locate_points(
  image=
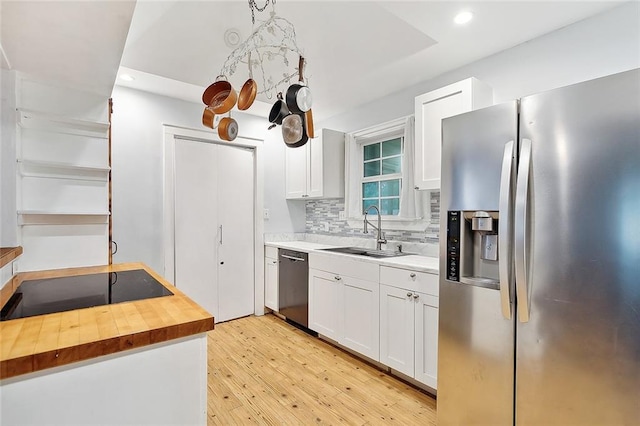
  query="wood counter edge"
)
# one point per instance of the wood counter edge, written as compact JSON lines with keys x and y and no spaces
{"x":25,"y":364}
{"x":8,"y":254}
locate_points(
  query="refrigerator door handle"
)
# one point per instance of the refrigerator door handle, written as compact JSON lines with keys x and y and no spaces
{"x":522,"y":193}
{"x":504,"y":230}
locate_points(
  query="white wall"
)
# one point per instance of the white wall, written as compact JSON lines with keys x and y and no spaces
{"x":137,"y":164}
{"x":598,"y":46}
{"x":8,"y":217}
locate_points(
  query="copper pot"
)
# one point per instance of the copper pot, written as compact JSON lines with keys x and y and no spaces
{"x":220,"y":96}
{"x":208,"y":117}
{"x":228,"y":129}
{"x":247,"y":94}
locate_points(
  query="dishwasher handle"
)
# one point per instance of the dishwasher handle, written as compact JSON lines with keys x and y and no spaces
{"x":297,"y":259}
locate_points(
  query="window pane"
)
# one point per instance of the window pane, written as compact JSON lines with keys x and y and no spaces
{"x":389,"y":188}
{"x":372,"y":168}
{"x":391,"y":165}
{"x":370,"y":190}
{"x":390,"y":206}
{"x":367,"y":203}
{"x":372,"y":151}
{"x":392,"y":147}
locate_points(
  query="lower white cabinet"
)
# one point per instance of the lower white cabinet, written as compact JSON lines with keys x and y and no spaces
{"x":271,"y":278}
{"x":409,"y":323}
{"x":361,"y":313}
{"x":325,"y":304}
{"x":344,"y":303}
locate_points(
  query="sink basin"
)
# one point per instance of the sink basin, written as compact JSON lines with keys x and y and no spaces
{"x":359,"y":251}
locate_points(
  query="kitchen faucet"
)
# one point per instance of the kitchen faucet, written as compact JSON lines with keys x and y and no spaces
{"x":380,"y":238}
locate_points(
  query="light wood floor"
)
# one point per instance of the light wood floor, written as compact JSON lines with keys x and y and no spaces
{"x":265,"y":371}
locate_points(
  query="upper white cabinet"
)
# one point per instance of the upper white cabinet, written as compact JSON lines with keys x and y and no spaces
{"x":430,"y":109}
{"x":316,"y":170}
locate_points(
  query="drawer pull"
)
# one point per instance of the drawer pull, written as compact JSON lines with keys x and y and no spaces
{"x":412,"y":275}
{"x":338,"y":278}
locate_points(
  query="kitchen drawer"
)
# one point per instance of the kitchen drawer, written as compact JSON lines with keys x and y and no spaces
{"x":271,"y":252}
{"x":345,"y":265}
{"x":410,"y":280}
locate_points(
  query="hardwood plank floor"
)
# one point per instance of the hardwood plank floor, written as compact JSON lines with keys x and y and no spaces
{"x":265,"y":371}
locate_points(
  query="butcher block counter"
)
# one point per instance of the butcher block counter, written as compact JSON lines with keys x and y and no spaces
{"x":41,"y":342}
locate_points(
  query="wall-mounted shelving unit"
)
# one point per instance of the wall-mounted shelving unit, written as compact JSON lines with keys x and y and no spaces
{"x":62,"y":176}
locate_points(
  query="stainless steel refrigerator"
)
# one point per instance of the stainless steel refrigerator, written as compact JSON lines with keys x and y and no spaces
{"x":540,"y":259}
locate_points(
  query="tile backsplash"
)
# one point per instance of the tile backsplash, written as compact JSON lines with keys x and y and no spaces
{"x":322,"y":218}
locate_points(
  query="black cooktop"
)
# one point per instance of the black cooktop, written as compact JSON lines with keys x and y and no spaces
{"x":45,"y":296}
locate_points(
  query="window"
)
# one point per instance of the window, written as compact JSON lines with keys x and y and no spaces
{"x":379,"y":172}
{"x":382,"y":176}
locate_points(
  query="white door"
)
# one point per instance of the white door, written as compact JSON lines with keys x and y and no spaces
{"x":361,"y":331}
{"x":196,"y":219}
{"x":325,"y":304}
{"x":426,"y":368}
{"x":235,"y":232}
{"x":397,"y":329}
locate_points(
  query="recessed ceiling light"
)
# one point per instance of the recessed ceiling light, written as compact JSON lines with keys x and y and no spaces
{"x":127,"y":77}
{"x":463,"y":17}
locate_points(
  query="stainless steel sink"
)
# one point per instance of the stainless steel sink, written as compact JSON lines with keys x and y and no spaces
{"x":359,"y":251}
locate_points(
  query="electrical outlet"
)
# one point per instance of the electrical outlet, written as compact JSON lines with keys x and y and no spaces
{"x":266,"y":215}
{"x":342,"y":215}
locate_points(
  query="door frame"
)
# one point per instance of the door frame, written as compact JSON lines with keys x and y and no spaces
{"x":171,"y":134}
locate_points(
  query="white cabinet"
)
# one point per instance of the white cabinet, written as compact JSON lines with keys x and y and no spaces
{"x":430,"y":109}
{"x":409,"y":323}
{"x":316,"y":170}
{"x":271,"y":278}
{"x":325,"y":303}
{"x":344,"y":302}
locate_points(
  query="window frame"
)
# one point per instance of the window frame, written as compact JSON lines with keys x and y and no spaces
{"x":354,"y":165}
{"x":382,"y":177}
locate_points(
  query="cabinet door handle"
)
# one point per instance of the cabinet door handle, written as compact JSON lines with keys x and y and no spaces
{"x":412,"y":275}
{"x":416,"y":296}
{"x":220,"y":234}
{"x":409,"y":294}
{"x":338,"y":278}
{"x":274,"y":261}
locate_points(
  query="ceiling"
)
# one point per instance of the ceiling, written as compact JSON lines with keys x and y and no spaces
{"x":357,"y":51}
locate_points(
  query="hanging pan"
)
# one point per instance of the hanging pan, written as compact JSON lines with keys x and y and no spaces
{"x":228,"y":129}
{"x":279,"y":111}
{"x":294,"y":132}
{"x":220,"y":96}
{"x":249,"y":90}
{"x":298,"y":95}
{"x":207,"y":118}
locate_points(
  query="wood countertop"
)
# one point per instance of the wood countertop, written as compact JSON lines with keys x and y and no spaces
{"x":44,"y":341}
{"x":7,"y":254}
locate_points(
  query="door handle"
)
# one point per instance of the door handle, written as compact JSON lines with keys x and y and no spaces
{"x":504,"y":230}
{"x":520,"y":216}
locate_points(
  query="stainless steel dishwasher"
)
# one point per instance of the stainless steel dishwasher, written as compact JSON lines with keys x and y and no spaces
{"x":293,"y":286}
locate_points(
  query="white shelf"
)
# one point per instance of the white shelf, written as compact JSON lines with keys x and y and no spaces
{"x":48,"y":217}
{"x":30,"y":119}
{"x":54,"y":170}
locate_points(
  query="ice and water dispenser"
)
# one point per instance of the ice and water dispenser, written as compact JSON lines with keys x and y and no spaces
{"x":472,"y":248}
